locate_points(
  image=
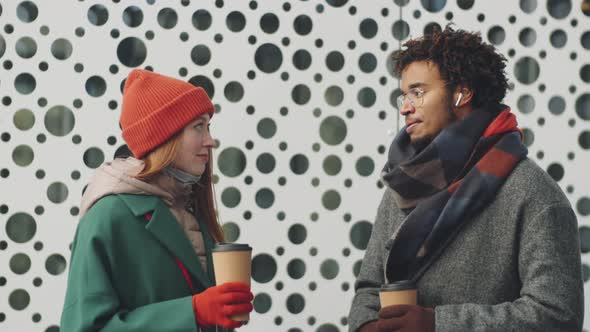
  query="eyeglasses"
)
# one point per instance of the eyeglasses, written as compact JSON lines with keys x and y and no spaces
{"x":415,"y":96}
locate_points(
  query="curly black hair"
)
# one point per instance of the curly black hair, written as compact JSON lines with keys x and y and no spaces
{"x":462,"y":59}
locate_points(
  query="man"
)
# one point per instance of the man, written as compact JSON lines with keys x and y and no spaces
{"x":489,"y":239}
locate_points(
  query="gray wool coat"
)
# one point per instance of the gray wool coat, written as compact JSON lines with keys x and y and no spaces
{"x":516,"y":266}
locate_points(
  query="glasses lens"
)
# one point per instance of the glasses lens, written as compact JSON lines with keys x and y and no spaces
{"x":400,"y":102}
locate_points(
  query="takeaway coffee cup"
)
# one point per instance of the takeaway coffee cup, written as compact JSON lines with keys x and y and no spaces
{"x":232,"y":262}
{"x":400,"y":292}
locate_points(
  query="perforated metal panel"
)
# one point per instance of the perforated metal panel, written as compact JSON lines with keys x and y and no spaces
{"x":304,"y":93}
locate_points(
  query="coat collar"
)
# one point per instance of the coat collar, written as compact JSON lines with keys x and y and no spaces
{"x":166,"y":230}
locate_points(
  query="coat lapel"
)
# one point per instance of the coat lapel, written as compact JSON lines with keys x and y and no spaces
{"x":164,"y":227}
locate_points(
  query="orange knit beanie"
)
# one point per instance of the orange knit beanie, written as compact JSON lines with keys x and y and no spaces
{"x":155,"y":107}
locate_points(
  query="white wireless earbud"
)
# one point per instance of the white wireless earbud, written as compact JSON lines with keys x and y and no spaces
{"x":458,"y":99}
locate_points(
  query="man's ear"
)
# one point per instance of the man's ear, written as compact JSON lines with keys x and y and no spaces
{"x":462,"y":96}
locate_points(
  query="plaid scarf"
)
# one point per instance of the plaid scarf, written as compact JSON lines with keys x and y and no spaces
{"x":451,"y":179}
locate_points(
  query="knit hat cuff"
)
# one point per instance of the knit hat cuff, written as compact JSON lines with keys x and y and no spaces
{"x":153,"y":130}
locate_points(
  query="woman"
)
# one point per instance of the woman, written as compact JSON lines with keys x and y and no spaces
{"x":141,"y":257}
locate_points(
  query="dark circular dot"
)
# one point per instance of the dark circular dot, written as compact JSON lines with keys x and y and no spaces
{"x":264,"y":198}
{"x":368,"y":28}
{"x":297,"y":234}
{"x":57,"y":192}
{"x":27,"y":11}
{"x":201,"y":19}
{"x":20,"y":263}
{"x":295,"y":303}
{"x":95,"y":86}
{"x":55,"y":264}
{"x":433,"y":6}
{"x":131,"y":52}
{"x":200,"y":55}
{"x":526,"y":103}
{"x":269,"y":23}
{"x":167,"y":18}
{"x":265,"y":163}
{"x":299,"y":164}
{"x":93,"y":157}
{"x":231,"y":197}
{"x":59,"y":120}
{"x":336,"y":3}
{"x":234,"y":91}
{"x":526,"y":70}
{"x":559,"y":8}
{"x":26,"y":47}
{"x":21,"y":227}
{"x":268,"y":58}
{"x":556,"y":171}
{"x":558,"y":38}
{"x":264,"y":268}
{"x":303,"y":25}
{"x":556,"y":105}
{"x":266,"y":128}
{"x":527,"y":37}
{"x":262,"y":303}
{"x":333,"y":130}
{"x":132,"y":16}
{"x":301,"y":59}
{"x":585,"y":73}
{"x":584,"y":140}
{"x":61,"y":49}
{"x":583,"y":207}
{"x":360,"y":234}
{"x":583,"y":106}
{"x":19,"y":299}
{"x":335,"y":61}
{"x":365,"y":166}
{"x":235,"y":21}
{"x":231,"y":162}
{"x":331,"y":200}
{"x":584,"y":232}
{"x":366,"y":97}
{"x":301,"y":94}
{"x":367,"y":62}
{"x":329,"y":269}
{"x":296,"y":268}
{"x":25,"y":83}
{"x":334,"y":95}
{"x":400,"y":30}
{"x":98,"y":15}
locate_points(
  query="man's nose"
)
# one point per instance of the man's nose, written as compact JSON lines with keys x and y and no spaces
{"x":406,"y":108}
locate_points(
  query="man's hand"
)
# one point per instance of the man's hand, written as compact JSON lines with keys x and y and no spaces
{"x":405,"y":318}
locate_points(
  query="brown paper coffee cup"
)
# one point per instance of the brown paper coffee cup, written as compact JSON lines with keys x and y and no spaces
{"x":232,"y":262}
{"x":401,"y":292}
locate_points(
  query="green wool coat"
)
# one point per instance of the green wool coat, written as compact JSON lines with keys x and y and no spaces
{"x":123,"y":275}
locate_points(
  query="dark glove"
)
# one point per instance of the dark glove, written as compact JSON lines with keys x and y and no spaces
{"x":369,"y":327}
{"x":405,"y":318}
{"x":214,"y":305}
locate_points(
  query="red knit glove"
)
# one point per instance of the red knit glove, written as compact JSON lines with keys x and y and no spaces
{"x":406,"y":318}
{"x":214,"y":305}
